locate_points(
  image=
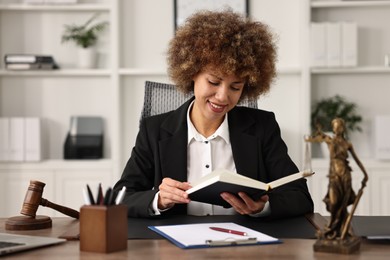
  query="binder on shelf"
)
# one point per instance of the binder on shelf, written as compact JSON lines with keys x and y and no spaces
{"x":349,"y":39}
{"x":318,"y":44}
{"x":381,"y":132}
{"x":29,"y":62}
{"x":20,"y":139}
{"x":4,"y":139}
{"x":16,"y":139}
{"x":33,"y":140}
{"x":333,"y":44}
{"x":27,"y":58}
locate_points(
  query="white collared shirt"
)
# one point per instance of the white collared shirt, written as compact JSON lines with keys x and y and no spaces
{"x":204,"y":155}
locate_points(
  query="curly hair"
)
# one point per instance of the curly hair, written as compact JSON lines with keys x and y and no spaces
{"x":227,"y":41}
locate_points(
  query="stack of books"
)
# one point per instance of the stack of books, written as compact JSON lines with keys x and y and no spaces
{"x":29,"y":62}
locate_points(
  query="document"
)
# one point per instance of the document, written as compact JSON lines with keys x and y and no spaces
{"x":212,"y":235}
{"x":209,"y":188}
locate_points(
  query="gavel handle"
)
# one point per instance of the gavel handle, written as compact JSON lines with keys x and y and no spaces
{"x":67,"y":211}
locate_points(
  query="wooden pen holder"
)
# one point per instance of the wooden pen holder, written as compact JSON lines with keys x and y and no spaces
{"x":103,"y":229}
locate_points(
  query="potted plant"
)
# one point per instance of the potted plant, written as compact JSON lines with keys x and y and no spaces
{"x":85,"y":36}
{"x":325,"y":110}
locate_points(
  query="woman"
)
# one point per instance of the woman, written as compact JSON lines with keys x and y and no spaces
{"x":223,"y":58}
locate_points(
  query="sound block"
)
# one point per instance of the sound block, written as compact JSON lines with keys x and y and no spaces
{"x":28,"y":223}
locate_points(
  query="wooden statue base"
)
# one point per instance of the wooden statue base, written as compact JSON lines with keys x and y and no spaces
{"x":28,"y":223}
{"x":346,"y":246}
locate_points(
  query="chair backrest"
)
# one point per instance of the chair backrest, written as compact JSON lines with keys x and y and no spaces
{"x":162,"y":97}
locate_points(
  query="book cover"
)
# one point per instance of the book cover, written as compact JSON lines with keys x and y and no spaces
{"x":27,"y":58}
{"x":29,"y":66}
{"x":208,"y":188}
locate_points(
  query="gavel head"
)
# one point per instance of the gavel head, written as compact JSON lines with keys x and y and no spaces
{"x":33,"y":198}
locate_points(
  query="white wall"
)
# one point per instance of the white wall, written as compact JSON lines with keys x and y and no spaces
{"x":147,"y":31}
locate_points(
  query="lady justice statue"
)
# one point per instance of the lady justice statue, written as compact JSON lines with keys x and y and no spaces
{"x":337,"y":236}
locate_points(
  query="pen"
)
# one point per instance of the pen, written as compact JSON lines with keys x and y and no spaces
{"x":107,"y":197}
{"x":230,"y":231}
{"x":120,"y":196}
{"x":99,"y":199}
{"x":90,"y":195}
{"x":87,"y":201}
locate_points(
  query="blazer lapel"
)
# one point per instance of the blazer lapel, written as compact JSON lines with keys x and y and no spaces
{"x":173,"y":144}
{"x":244,"y":144}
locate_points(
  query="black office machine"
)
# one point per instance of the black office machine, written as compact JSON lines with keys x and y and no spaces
{"x":85,"y":138}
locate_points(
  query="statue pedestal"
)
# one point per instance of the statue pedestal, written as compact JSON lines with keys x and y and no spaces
{"x":346,"y":246}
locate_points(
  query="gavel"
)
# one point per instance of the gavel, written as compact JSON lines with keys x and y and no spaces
{"x":33,"y":199}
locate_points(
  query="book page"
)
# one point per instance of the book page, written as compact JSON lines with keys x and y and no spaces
{"x":289,"y":178}
{"x":228,"y":177}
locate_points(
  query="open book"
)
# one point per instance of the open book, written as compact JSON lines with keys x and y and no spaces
{"x":208,"y":188}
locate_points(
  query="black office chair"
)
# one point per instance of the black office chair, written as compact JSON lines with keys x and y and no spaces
{"x":162,"y":97}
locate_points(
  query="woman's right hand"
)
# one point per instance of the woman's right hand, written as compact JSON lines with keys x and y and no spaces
{"x":172,"y":192}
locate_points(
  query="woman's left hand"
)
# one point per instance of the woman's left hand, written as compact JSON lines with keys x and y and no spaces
{"x":244,"y":204}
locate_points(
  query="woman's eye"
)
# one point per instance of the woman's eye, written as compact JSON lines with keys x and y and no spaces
{"x":214,"y":83}
{"x":237,"y":87}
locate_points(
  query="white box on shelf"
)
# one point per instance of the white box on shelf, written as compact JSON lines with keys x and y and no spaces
{"x":381,"y":135}
{"x":16,"y":139}
{"x":318,"y":45}
{"x":33,"y":139}
{"x":333,"y":44}
{"x":349,"y":48}
{"x":4,"y":139}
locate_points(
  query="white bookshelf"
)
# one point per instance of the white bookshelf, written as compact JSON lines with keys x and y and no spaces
{"x":133,"y":50}
{"x":366,"y":84}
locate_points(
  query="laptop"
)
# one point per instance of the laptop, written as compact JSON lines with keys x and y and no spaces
{"x":12,"y":243}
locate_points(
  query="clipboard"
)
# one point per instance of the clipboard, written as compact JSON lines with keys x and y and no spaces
{"x":190,"y":236}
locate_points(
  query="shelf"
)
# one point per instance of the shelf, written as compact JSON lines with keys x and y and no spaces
{"x":289,"y":70}
{"x":356,"y":70}
{"x":100,"y":164}
{"x":142,"y":72}
{"x":54,"y":7}
{"x":339,"y":3}
{"x":367,"y":163}
{"x":56,"y":73}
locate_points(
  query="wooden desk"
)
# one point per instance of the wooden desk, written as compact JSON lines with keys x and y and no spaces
{"x":163,"y":249}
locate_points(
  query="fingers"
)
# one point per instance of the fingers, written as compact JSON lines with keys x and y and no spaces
{"x":244,"y":204}
{"x":172,"y":192}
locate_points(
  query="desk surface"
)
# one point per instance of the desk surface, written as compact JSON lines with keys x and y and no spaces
{"x":163,"y":249}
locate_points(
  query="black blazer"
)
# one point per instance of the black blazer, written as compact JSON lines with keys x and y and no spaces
{"x":258,"y":151}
